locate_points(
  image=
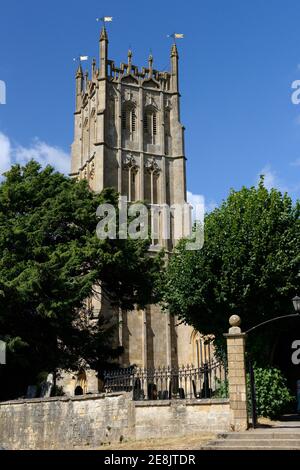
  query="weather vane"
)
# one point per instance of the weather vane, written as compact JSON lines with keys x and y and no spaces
{"x":105,"y":19}
{"x":176,"y":36}
{"x":81,"y":58}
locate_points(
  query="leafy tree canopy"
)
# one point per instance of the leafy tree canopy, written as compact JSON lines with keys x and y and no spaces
{"x":51,"y":261}
{"x":249,"y":265}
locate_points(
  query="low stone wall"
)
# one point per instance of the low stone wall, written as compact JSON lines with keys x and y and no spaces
{"x":176,"y":418}
{"x":93,"y":420}
{"x":66,"y":423}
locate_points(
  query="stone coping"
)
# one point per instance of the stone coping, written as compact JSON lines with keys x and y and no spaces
{"x":183,"y":401}
{"x":98,"y":396}
{"x":101,"y":396}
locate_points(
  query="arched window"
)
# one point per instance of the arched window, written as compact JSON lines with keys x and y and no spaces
{"x":150,"y":125}
{"x":129,"y":120}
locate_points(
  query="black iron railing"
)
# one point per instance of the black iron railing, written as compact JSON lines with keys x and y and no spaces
{"x":207,"y":381}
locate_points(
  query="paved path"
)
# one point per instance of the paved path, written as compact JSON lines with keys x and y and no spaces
{"x":287,"y":422}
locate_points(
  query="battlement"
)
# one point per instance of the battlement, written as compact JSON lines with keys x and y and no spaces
{"x":125,"y":70}
{"x":127,"y":73}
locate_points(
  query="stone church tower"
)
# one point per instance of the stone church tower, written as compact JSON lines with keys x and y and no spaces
{"x":128,"y":136}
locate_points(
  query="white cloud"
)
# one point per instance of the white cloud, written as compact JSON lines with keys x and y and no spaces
{"x":199,"y":206}
{"x":272,"y":180}
{"x":40,"y":151}
{"x":45,"y":154}
{"x":5,"y":153}
{"x":197,"y":202}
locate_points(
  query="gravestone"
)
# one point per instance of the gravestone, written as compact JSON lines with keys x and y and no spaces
{"x":31,"y":391}
{"x":2,"y":353}
{"x":47,"y":386}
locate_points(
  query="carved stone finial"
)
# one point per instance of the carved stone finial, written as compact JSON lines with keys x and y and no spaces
{"x":174,"y":51}
{"x":150,"y":62}
{"x":103,"y":35}
{"x":235,"y":320}
{"x":94,"y":67}
{"x":235,"y":323}
{"x":79,"y":73}
{"x":129,"y":60}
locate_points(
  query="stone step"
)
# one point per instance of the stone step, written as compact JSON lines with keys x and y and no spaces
{"x":254,"y":448}
{"x":258,"y":435}
{"x":254,"y":443}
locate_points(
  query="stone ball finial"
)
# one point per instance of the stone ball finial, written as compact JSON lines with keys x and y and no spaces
{"x":235,"y":320}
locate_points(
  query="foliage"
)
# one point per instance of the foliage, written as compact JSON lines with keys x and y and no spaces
{"x":51,"y":262}
{"x":57,"y":391}
{"x":272,"y":395}
{"x":222,"y":389}
{"x":249,"y":265}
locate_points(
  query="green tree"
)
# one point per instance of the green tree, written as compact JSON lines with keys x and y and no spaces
{"x":249,"y":265}
{"x":273,"y":397}
{"x":51,"y":262}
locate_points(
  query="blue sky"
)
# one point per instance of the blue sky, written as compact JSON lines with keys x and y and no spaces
{"x":237,"y":63}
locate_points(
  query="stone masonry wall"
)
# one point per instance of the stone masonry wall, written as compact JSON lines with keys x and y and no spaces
{"x":66,"y":423}
{"x":178,"y":418}
{"x":92,"y":420}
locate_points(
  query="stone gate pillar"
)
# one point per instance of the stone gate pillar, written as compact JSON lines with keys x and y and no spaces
{"x":237,"y":374}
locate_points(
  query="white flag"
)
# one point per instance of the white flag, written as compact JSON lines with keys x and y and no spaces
{"x":81,"y":58}
{"x":176,"y":36}
{"x":106,"y":19}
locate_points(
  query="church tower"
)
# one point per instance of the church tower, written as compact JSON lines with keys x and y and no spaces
{"x":128,"y":136}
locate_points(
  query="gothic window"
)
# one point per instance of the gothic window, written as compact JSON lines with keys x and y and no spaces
{"x":150,"y":125}
{"x":129,"y":120}
{"x":152,"y":181}
{"x":130,"y":169}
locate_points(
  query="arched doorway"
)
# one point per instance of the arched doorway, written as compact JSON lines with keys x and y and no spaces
{"x":81,"y":383}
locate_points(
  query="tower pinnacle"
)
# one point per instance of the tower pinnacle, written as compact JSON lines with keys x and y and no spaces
{"x":150,"y":62}
{"x":103,"y":53}
{"x":174,"y":50}
{"x":103,"y":34}
{"x":174,"y":67}
{"x":129,"y":60}
{"x":79,"y":72}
